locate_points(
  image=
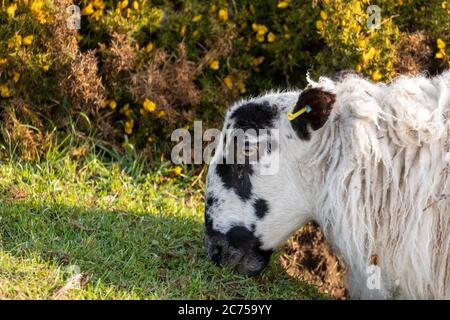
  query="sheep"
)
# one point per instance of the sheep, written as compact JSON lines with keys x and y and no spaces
{"x":369,"y":162}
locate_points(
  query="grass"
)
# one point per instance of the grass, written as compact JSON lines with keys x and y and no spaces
{"x":89,"y":229}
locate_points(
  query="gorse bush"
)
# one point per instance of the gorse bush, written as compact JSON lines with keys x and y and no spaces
{"x":138,"y":69}
{"x":344,"y":26}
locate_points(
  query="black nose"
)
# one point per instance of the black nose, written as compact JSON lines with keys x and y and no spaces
{"x":216,"y":253}
{"x":214,"y":243}
{"x":238,"y":248}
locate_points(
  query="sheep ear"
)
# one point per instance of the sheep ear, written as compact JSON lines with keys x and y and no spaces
{"x":318,"y":104}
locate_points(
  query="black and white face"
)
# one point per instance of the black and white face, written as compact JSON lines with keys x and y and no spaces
{"x":233,"y":208}
{"x":253,"y":207}
{"x":240,"y":197}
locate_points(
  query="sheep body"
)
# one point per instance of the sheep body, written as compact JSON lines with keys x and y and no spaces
{"x":385,"y":187}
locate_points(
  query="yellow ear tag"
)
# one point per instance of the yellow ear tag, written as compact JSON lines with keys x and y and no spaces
{"x":291,"y":116}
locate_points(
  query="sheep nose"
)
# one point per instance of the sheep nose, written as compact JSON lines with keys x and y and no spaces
{"x":214,"y":244}
{"x":215,"y":253}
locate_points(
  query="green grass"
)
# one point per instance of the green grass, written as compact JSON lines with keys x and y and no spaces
{"x":94,"y":230}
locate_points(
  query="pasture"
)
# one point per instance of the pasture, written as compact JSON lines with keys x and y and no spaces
{"x":90,"y":229}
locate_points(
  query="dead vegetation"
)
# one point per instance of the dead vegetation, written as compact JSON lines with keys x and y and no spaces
{"x":309,"y":258}
{"x":414,"y":53}
{"x":169,"y":79}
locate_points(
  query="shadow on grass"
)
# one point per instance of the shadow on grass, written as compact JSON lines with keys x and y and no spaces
{"x":152,"y":256}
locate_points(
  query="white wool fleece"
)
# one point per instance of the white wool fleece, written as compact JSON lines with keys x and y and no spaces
{"x":385,"y":186}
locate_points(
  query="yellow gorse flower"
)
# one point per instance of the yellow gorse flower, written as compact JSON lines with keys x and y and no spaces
{"x":271,"y":37}
{"x":369,"y":55}
{"x":323,"y":15}
{"x":376,"y":75}
{"x":257,"y":61}
{"x":28,"y":40}
{"x":97,"y":15}
{"x":99,"y":4}
{"x":260,"y":30}
{"x":149,"y":105}
{"x":37,"y":8}
{"x":177,"y":170}
{"x":260,"y":37}
{"x":212,"y":9}
{"x":4,"y":91}
{"x":197,"y":18}
{"x":241,"y":87}
{"x":161,"y":114}
{"x":88,"y":10}
{"x":37,"y":5}
{"x":15,"y":76}
{"x":214,"y":65}
{"x":123,"y":4}
{"x":228,"y":80}
{"x":129,"y":126}
{"x":223,"y":14}
{"x":440,"y":55}
{"x":319,"y":25}
{"x":126,"y":110}
{"x":104,"y":103}
{"x":183,"y":30}
{"x":112,"y":104}
{"x":18,"y":39}
{"x":362,"y":42}
{"x":11,"y":10}
{"x":441,"y":46}
{"x":282,"y":4}
{"x":149,"y":47}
